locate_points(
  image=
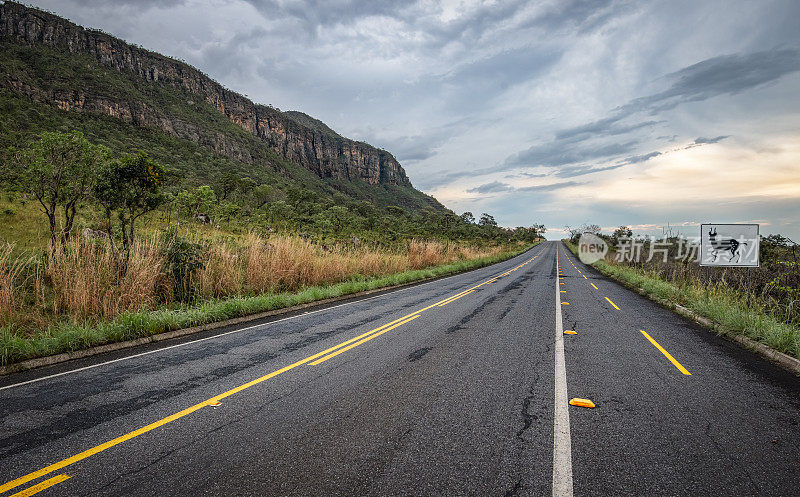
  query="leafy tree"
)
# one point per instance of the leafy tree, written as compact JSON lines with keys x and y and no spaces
{"x":183,"y":259}
{"x":186,"y":202}
{"x":206,"y":200}
{"x":263,"y":194}
{"x":129,"y":187}
{"x":621,"y":232}
{"x":487,"y":220}
{"x":468,"y":217}
{"x":230,"y":210}
{"x":340,"y":217}
{"x":59,"y":170}
{"x":201,"y":200}
{"x":229,"y":183}
{"x":280,"y":213}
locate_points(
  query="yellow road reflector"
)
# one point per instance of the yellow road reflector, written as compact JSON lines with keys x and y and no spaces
{"x":561,"y":283}
{"x":214,"y":403}
{"x":570,"y":332}
{"x":563,"y":291}
{"x":564,"y":303}
{"x":581,"y":402}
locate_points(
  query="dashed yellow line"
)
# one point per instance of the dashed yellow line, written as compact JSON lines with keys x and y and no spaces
{"x":594,"y":286}
{"x":666,"y":354}
{"x":612,"y":303}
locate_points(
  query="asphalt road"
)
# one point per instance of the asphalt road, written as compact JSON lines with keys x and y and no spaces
{"x":409,"y":393}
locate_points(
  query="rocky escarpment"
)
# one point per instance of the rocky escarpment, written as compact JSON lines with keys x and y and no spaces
{"x":294,"y":136}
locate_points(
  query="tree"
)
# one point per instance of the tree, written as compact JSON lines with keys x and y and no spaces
{"x":59,"y":170}
{"x":201,"y":200}
{"x":129,"y":187}
{"x":263,"y":194}
{"x":621,"y":232}
{"x":487,"y":220}
{"x":229,"y":183}
{"x":229,"y":210}
{"x":468,"y":217}
{"x":186,"y":202}
{"x":206,"y":200}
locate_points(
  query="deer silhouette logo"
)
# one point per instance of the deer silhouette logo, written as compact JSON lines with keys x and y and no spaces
{"x":724,"y":245}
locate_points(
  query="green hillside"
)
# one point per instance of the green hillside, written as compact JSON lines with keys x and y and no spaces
{"x":50,"y":72}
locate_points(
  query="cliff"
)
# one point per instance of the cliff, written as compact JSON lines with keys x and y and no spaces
{"x":296,"y":137}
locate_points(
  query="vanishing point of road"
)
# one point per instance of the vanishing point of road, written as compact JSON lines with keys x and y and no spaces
{"x":458,"y":386}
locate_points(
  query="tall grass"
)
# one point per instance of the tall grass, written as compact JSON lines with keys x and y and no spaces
{"x":76,"y":297}
{"x":87,"y":284}
{"x":10,"y":270}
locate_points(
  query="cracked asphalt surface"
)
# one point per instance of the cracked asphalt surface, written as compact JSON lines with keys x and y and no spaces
{"x":456,"y":402}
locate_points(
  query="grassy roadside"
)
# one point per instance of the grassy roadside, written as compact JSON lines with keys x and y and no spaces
{"x":717,"y":303}
{"x":69,"y":337}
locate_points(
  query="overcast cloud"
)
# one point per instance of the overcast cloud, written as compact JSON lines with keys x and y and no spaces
{"x":676,"y":112}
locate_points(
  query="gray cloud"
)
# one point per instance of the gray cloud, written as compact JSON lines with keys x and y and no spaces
{"x":312,"y":13}
{"x":137,"y":3}
{"x":716,"y":139}
{"x":497,"y":187}
{"x":580,"y":15}
{"x":549,"y":188}
{"x":572,"y":171}
{"x":493,"y":187}
{"x":635,"y":159}
{"x":606,"y":126}
{"x":724,"y":74}
{"x":556,"y":153}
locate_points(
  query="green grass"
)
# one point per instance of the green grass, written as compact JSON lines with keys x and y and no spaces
{"x":69,"y":337}
{"x":724,"y":306}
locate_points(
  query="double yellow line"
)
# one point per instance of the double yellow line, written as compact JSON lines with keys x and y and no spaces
{"x":312,"y":360}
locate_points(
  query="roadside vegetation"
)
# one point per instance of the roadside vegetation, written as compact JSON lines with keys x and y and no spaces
{"x":765,"y":308}
{"x":97,"y":247}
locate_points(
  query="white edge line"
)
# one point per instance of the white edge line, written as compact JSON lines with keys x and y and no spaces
{"x":562,"y":444}
{"x":92,"y":366}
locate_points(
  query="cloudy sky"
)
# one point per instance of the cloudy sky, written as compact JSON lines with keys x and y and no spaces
{"x":557,"y":112}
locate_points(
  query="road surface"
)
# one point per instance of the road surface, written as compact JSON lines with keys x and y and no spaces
{"x":454,"y":387}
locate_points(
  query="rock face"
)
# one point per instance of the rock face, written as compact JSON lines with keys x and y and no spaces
{"x":292,"y":135}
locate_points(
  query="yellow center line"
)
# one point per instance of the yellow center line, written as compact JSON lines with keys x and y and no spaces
{"x":41,"y":486}
{"x":448,"y":299}
{"x":612,"y":303}
{"x":123,"y":438}
{"x":454,"y":298}
{"x":594,"y":286}
{"x":334,"y":354}
{"x":666,"y":354}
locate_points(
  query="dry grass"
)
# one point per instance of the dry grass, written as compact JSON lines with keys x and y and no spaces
{"x":10,"y":269}
{"x":86,"y":283}
{"x":80,"y":281}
